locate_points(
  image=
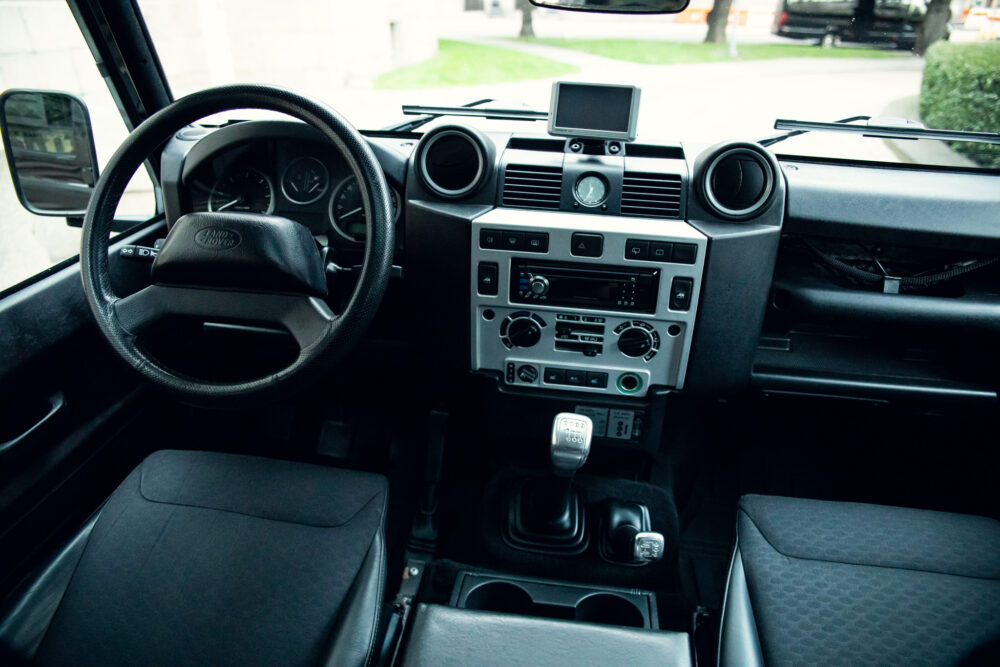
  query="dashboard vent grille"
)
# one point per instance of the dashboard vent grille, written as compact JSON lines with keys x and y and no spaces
{"x":655,"y":195}
{"x":532,"y":186}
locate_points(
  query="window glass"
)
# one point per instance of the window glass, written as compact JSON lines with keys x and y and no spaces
{"x":41,"y":47}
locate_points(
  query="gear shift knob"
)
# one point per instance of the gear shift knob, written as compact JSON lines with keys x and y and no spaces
{"x":571,"y":436}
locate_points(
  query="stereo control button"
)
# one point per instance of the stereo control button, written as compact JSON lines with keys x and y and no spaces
{"x":539,"y":285}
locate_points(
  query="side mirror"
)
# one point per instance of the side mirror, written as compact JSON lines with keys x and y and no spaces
{"x":49,"y":145}
{"x":616,"y":6}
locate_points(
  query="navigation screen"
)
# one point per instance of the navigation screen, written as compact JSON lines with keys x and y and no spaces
{"x":590,"y":110}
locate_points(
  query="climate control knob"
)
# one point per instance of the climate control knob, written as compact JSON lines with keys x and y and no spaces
{"x":521,"y":329}
{"x":635,"y":342}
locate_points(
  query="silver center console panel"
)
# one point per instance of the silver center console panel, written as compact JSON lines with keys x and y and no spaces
{"x":585,"y":303}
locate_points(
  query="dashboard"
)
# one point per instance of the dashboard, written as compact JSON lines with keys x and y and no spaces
{"x":621,"y":272}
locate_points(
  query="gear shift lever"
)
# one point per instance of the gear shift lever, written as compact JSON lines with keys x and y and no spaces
{"x":571,"y":436}
{"x":547,"y":514}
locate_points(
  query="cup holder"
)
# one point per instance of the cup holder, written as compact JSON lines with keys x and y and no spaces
{"x":500,"y":596}
{"x":609,"y":609}
{"x":550,"y":599}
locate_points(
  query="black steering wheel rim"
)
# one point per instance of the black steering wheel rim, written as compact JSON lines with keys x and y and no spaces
{"x":338,"y":334}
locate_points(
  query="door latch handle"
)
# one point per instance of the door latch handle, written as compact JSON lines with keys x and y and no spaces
{"x":57,"y":401}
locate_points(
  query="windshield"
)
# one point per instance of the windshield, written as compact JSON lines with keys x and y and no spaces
{"x":704,"y":79}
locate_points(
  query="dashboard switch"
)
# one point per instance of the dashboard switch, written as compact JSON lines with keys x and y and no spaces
{"x":680,"y":293}
{"x":536,"y":241}
{"x":575,"y":377}
{"x":513,"y":240}
{"x":636,"y":249}
{"x":587,"y":245}
{"x":555,"y":376}
{"x":660,"y":251}
{"x":487,"y":278}
{"x":597,"y":380}
{"x":490,"y":239}
{"x":684,"y":253}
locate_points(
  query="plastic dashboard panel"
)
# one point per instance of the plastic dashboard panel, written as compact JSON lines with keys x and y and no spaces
{"x":899,"y":205}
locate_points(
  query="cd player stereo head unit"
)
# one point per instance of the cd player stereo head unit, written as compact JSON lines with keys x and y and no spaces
{"x":584,"y":286}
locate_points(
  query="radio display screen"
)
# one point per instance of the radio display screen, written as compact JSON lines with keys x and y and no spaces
{"x":585,"y":286}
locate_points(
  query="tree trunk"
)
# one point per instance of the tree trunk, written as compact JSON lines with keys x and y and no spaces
{"x":717,"y":20}
{"x":934,"y":27}
{"x":527,"y":9}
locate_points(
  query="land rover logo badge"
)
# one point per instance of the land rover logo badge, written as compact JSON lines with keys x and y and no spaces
{"x":217,"y":238}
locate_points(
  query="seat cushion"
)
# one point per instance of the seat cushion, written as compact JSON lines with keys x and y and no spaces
{"x":203,"y":558}
{"x":847,"y":583}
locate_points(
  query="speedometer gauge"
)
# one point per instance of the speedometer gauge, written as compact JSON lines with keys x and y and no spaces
{"x":244,"y":190}
{"x":305,"y":180}
{"x":346,"y":213}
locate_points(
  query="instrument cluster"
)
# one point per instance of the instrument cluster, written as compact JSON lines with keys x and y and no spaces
{"x":300,"y":180}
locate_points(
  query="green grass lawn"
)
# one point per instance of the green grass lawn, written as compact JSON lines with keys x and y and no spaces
{"x":464,"y":64}
{"x":650,"y":52}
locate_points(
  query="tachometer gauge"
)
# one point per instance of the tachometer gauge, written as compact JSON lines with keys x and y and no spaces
{"x":244,"y":190}
{"x":591,"y":190}
{"x":346,"y":213}
{"x":305,"y":180}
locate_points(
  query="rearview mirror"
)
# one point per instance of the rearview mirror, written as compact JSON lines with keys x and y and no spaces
{"x":49,"y":145}
{"x":616,"y":6}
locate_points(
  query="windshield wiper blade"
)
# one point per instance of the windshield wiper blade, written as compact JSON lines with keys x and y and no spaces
{"x":411,"y":125}
{"x":796,"y":132}
{"x":909,"y":130}
{"x":493,"y":114}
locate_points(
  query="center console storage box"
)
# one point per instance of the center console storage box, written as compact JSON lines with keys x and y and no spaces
{"x":448,"y":636}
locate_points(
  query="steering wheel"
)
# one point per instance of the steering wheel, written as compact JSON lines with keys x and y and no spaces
{"x":238,"y":267}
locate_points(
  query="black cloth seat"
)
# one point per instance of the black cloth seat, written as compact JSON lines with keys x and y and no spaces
{"x":823,"y":583}
{"x":214,"y":559}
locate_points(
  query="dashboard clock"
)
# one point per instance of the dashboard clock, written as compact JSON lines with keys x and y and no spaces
{"x":591,"y":190}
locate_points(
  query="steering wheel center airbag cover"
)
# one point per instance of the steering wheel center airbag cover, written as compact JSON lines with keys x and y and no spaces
{"x":258,"y":252}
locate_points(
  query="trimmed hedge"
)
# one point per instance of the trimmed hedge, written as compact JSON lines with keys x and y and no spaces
{"x":961,"y":91}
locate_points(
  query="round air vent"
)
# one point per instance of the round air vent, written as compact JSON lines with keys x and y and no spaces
{"x":738,"y":181}
{"x":453,"y":161}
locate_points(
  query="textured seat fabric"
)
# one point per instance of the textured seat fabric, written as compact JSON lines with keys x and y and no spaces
{"x":815,"y":582}
{"x":202,"y":558}
{"x":443,"y":636}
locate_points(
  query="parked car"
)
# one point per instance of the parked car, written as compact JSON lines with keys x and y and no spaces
{"x":895,"y":22}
